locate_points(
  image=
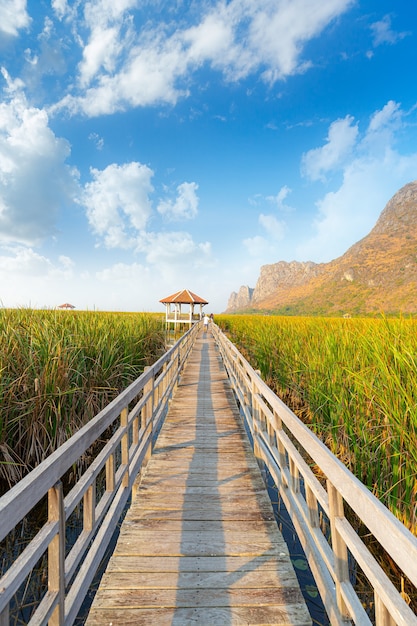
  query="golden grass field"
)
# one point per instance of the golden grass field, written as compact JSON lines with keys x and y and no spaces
{"x":354,"y":382}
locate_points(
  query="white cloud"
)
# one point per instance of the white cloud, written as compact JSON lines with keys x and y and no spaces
{"x":210,"y":39}
{"x":101,"y":51}
{"x":35,"y":181}
{"x":117,"y":202}
{"x":13,"y":17}
{"x":279,"y":199}
{"x":60,"y":7}
{"x":110,"y":33}
{"x":148,"y":77}
{"x":274,"y":227}
{"x":185,"y":205}
{"x":28,"y":278}
{"x":120,"y":69}
{"x":341,"y":140}
{"x":123,"y":272}
{"x":382,"y":128}
{"x":277,"y":33}
{"x":384,"y":34}
{"x":175,"y":248}
{"x":24,"y":261}
{"x":255,"y":246}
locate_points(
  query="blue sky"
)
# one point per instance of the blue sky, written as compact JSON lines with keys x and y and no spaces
{"x":148,"y":146}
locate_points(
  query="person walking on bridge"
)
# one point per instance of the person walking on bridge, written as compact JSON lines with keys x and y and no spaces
{"x":206,"y":322}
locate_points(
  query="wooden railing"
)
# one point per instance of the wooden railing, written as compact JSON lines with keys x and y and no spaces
{"x":288,"y":449}
{"x":101,"y":492}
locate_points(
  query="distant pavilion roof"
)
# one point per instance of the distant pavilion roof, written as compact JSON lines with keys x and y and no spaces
{"x":184,"y":297}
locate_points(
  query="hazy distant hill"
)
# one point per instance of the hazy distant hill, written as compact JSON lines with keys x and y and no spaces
{"x":377,"y":274}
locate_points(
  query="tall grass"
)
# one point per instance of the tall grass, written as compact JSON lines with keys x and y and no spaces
{"x":58,"y":369}
{"x":354,"y":381}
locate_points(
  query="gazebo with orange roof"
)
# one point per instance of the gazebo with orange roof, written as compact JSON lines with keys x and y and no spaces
{"x":175,"y":315}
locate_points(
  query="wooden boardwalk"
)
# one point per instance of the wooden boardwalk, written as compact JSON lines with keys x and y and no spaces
{"x":199,"y":544}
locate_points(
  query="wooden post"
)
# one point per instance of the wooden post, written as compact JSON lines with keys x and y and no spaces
{"x":282,"y":457}
{"x":4,"y":617}
{"x":125,"y":446}
{"x":382,"y":616}
{"x":313,"y":510}
{"x":295,"y":476}
{"x":340,"y":553}
{"x":89,"y":508}
{"x":110,"y":473}
{"x":56,"y":553}
{"x":147,"y":412}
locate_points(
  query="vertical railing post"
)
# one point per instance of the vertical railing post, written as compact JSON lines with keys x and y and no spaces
{"x":175,"y":376}
{"x":163,"y":384}
{"x":313,"y":509}
{"x":147,"y":413}
{"x":295,"y":476}
{"x":56,"y":553}
{"x":282,"y":456}
{"x":382,"y":616}
{"x":4,"y":616}
{"x":125,"y":445}
{"x":256,"y":423}
{"x":89,"y":508}
{"x":110,"y":473}
{"x":340,"y":553}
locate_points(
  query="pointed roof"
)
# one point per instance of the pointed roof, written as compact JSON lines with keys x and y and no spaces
{"x":184,"y":297}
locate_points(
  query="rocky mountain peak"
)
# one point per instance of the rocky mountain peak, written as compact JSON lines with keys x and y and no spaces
{"x":376,"y":274}
{"x":400,"y":213}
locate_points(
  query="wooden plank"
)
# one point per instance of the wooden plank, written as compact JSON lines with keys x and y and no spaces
{"x":130,"y":563}
{"x":219,"y":616}
{"x":196,"y":597}
{"x":228,"y":513}
{"x":200,"y":544}
{"x":153,"y":525}
{"x":256,"y":578}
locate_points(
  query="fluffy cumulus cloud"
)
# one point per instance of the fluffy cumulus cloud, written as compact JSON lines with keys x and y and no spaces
{"x":340,"y":141}
{"x":256,"y":246}
{"x":278,"y":31}
{"x":109,"y":32}
{"x":117,"y":202}
{"x":122,"y":67}
{"x":369,"y":178}
{"x":273,"y":226}
{"x":185,"y":206}
{"x":175,"y":248}
{"x":13,"y":17}
{"x":35,"y":180}
{"x":30,"y":278}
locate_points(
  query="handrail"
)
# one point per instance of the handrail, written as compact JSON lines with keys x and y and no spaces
{"x":282,"y":442}
{"x":134,"y":417}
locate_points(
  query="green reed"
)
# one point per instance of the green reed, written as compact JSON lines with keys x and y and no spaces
{"x":354,"y":381}
{"x":60,"y":368}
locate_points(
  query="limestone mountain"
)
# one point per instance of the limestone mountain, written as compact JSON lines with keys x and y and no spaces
{"x":377,"y":274}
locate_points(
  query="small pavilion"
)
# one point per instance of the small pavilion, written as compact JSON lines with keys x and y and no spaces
{"x":174,"y":312}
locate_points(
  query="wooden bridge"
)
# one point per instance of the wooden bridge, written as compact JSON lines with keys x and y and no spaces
{"x":199,"y":543}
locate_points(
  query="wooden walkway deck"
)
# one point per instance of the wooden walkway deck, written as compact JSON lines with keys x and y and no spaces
{"x":199,"y":544}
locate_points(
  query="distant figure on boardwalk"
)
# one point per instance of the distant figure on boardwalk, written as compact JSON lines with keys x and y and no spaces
{"x":206,"y":322}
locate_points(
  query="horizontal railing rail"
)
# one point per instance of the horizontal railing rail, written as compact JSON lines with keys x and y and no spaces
{"x":287,"y":448}
{"x":182,"y":316}
{"x":100,"y":493}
